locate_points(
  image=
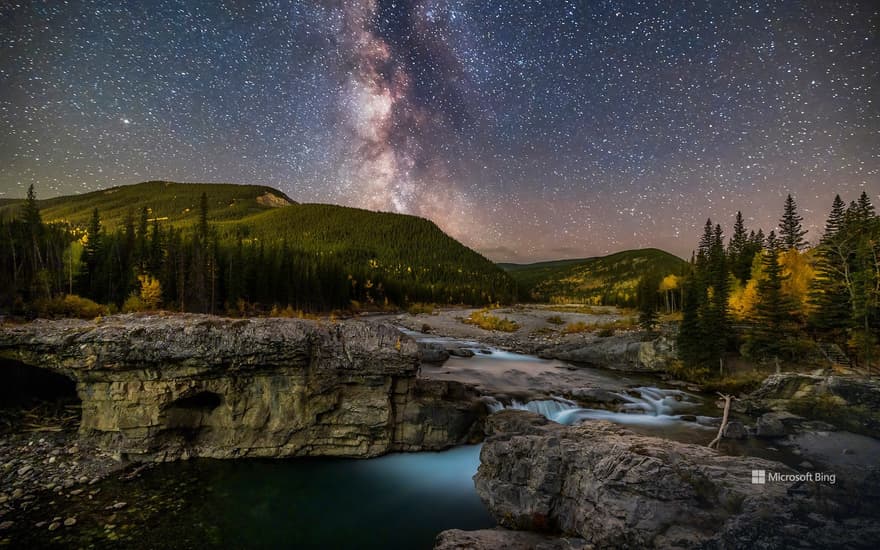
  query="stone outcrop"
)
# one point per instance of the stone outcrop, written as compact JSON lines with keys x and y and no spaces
{"x":847,"y":402}
{"x":616,"y":489}
{"x":626,"y":352}
{"x":163,"y":387}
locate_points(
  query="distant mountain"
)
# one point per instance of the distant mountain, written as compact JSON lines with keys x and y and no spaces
{"x":377,"y":255}
{"x":604,"y":280}
{"x":175,"y":203}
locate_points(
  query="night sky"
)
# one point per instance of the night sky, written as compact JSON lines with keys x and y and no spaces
{"x":529,"y":130}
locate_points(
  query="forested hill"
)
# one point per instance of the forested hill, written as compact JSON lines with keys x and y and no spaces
{"x":173,"y":203}
{"x":222,"y":247}
{"x":606,"y":280}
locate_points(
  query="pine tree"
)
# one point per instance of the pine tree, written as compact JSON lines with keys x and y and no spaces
{"x":690,"y":346}
{"x":648,"y":298}
{"x":32,"y":217}
{"x":142,"y":254}
{"x":33,"y":255}
{"x":91,"y":285}
{"x":715,"y":315}
{"x":835,"y":221}
{"x":832,"y":310}
{"x":864,"y":208}
{"x":791,"y":232}
{"x":773,"y":312}
{"x":738,"y":251}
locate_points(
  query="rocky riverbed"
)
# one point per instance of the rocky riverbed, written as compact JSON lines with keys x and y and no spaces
{"x":37,"y":468}
{"x":544,"y":331}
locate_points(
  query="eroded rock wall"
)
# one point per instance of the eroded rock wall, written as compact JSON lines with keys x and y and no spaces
{"x":163,"y":387}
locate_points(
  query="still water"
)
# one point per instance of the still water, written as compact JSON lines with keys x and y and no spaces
{"x":395,"y":501}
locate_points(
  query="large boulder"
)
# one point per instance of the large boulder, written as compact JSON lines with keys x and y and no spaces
{"x":162,"y":387}
{"x":626,"y":352}
{"x":614,"y":489}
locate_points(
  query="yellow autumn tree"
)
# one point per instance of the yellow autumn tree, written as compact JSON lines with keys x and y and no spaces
{"x":149,"y":297}
{"x":151,"y":291}
{"x":669,"y":287}
{"x":797,"y":273}
{"x":744,"y":298}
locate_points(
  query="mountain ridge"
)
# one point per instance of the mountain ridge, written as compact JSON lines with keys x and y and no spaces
{"x":598,"y":280}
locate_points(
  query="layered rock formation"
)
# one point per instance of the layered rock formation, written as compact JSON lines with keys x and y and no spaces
{"x":616,"y":489}
{"x":172,"y":386}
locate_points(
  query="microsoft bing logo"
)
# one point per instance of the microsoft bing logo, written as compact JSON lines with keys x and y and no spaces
{"x":759,"y":477}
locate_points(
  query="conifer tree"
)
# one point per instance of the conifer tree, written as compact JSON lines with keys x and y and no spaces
{"x":832,"y":310}
{"x":648,"y":298}
{"x":739,"y":251}
{"x":769,"y":336}
{"x":91,"y":285}
{"x":791,"y":232}
{"x":690,"y":346}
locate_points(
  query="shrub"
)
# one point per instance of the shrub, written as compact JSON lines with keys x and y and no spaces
{"x":485,"y":320}
{"x":134,"y":304}
{"x":71,"y":305}
{"x":555,"y":320}
{"x":577,"y":328}
{"x":420,"y":307}
{"x":290,"y":313}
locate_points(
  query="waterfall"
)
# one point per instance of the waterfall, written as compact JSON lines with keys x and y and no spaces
{"x":652,"y":406}
{"x":551,"y":409}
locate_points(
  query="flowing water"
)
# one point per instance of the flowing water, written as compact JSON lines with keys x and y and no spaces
{"x":511,"y":378}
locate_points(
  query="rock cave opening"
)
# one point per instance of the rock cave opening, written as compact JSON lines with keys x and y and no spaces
{"x":34,"y":399}
{"x":188,"y":416}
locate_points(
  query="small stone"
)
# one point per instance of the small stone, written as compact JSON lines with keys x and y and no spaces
{"x":17,"y":493}
{"x":24,"y":469}
{"x":54,"y":525}
{"x":83,"y":479}
{"x":119,"y":505}
{"x":94,"y":480}
{"x":70,"y":522}
{"x":51,"y":460}
{"x":6,"y":525}
{"x":3,"y":499}
{"x":76,"y":492}
{"x":40,"y":524}
{"x":848,"y":452}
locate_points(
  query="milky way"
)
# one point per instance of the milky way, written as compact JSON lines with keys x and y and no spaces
{"x":528,"y":129}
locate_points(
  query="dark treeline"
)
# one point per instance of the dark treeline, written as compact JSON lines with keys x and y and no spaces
{"x":146,"y":265}
{"x":775,"y":298}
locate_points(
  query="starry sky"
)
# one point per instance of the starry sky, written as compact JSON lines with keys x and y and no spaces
{"x":530,"y":130}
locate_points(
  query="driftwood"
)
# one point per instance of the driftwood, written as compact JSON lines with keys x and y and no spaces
{"x":128,"y":476}
{"x":714,"y":443}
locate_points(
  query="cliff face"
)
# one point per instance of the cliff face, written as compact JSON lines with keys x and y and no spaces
{"x":175,"y":386}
